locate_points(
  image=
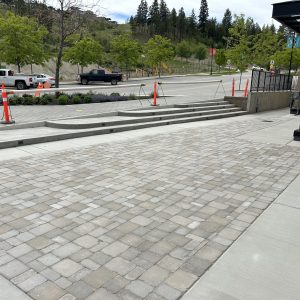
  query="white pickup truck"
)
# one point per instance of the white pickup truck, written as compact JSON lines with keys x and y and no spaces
{"x":21,"y":82}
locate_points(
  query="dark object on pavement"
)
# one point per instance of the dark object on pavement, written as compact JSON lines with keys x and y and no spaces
{"x":99,"y":75}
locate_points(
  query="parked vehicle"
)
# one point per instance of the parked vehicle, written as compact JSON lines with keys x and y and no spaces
{"x":43,"y":78}
{"x":99,"y":75}
{"x":20,"y":81}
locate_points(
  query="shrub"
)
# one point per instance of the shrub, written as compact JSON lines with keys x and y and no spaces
{"x":63,"y":99}
{"x":13,"y":100}
{"x":27,"y":99}
{"x":115,"y":94}
{"x":77,"y":99}
{"x":36,"y":100}
{"x":20,"y":100}
{"x":87,"y":98}
{"x":46,"y":99}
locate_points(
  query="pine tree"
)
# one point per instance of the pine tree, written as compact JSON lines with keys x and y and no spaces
{"x":203,"y":15}
{"x":192,"y":24}
{"x":164,"y":18}
{"x":181,"y":23}
{"x":141,"y":15}
{"x":154,"y":17}
{"x":211,"y":28}
{"x":227,"y":21}
{"x":173,"y":23}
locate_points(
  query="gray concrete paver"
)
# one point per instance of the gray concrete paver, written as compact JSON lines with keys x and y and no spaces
{"x":140,"y":219}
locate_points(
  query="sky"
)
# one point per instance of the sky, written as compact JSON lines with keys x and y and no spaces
{"x":259,"y":10}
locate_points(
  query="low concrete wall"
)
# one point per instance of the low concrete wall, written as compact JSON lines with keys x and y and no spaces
{"x":263,"y":101}
{"x":240,"y":102}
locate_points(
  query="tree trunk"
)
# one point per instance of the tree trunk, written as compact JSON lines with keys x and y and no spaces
{"x":81,"y":69}
{"x":19,"y":67}
{"x":58,"y":64}
{"x":31,"y":69}
{"x":61,"y":46}
{"x":240,"y":80}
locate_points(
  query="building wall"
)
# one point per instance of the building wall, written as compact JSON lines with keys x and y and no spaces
{"x":240,"y":102}
{"x":263,"y":101}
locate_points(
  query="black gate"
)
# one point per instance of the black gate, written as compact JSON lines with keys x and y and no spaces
{"x":262,"y":81}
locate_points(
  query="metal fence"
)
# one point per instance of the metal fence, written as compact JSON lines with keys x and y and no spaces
{"x":262,"y":81}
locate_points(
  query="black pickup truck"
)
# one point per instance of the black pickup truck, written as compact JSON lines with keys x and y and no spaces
{"x":99,"y":75}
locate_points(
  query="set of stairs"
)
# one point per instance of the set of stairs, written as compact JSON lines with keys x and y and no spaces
{"x":48,"y":131}
{"x":156,"y":116}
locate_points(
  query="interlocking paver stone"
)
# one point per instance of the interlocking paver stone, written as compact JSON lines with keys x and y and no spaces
{"x":181,"y":280}
{"x":97,"y":278}
{"x":120,"y":265}
{"x":66,"y":267}
{"x":141,"y":218}
{"x":47,"y":291}
{"x":115,"y":249}
{"x":139,"y":288}
{"x":13,"y":268}
{"x":32,"y":282}
{"x":86,"y":241}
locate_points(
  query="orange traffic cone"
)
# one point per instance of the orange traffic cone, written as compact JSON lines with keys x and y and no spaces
{"x":47,"y":85}
{"x":40,"y":87}
{"x":7,"y":116}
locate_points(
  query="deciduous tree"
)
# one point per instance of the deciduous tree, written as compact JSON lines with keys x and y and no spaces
{"x":84,"y":52}
{"x":159,"y":51}
{"x":21,"y":41}
{"x":220,"y":58}
{"x":183,"y":49}
{"x":200,"y":52}
{"x":125,"y":51}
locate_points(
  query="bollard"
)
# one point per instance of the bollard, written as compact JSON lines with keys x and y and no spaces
{"x":246,"y":88}
{"x":5,"y":107}
{"x":232,"y":88}
{"x":154,"y":94}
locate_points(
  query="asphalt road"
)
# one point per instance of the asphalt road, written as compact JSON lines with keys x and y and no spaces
{"x":189,"y":87}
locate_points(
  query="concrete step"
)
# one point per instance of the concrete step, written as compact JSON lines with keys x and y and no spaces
{"x":201,"y":104}
{"x":165,"y":111}
{"x":43,"y":134}
{"x":122,"y":120}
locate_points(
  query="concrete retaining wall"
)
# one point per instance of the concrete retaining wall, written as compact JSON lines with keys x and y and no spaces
{"x":263,"y":101}
{"x":240,"y":102}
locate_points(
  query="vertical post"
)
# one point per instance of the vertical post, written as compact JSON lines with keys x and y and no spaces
{"x":5,"y":106}
{"x":264,"y":80}
{"x":291,"y":58}
{"x":211,"y":61}
{"x":246,"y":88}
{"x":258,"y":81}
{"x":251,"y":81}
{"x":154,"y":94}
{"x":232,"y":88}
{"x":279,"y":87}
